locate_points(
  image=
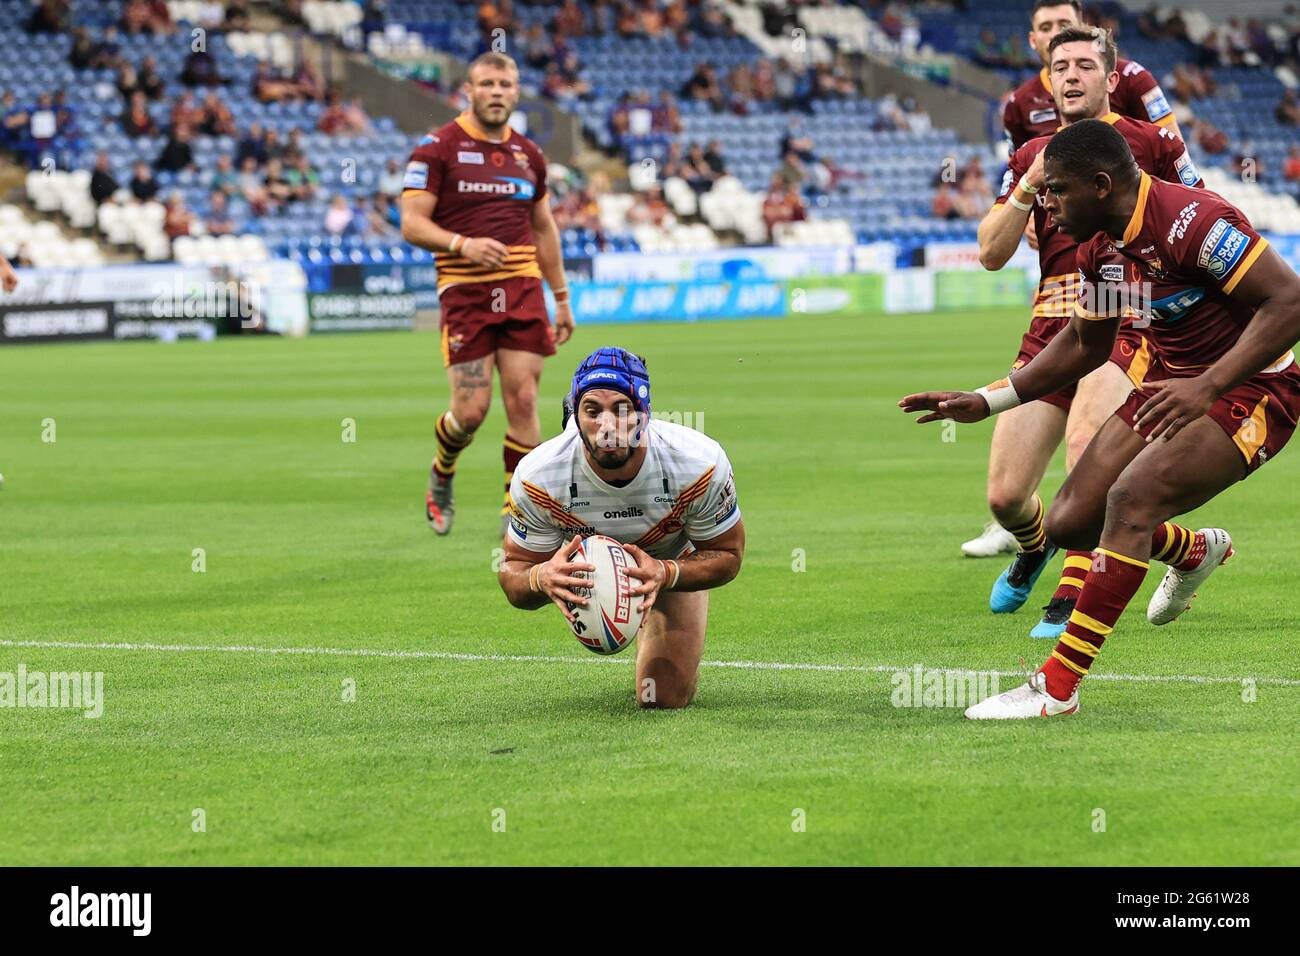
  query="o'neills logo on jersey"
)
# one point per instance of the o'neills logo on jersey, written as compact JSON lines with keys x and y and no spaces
{"x":502,"y":186}
{"x":630,"y":512}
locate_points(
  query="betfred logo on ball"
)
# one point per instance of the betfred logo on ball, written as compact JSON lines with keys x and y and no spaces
{"x":611,"y":618}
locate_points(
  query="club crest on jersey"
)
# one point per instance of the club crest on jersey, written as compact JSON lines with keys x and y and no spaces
{"x":417,"y":176}
{"x":1222,"y":249}
{"x":469,"y":157}
{"x":521,"y":159}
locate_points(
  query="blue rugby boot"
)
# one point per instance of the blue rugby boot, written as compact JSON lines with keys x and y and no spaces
{"x":1011,"y":589}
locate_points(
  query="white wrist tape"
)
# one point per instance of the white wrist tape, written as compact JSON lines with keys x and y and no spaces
{"x":1022,"y":206}
{"x":1000,"y":395}
{"x":1024,"y":185}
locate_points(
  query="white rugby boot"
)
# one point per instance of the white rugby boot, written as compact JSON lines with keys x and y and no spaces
{"x":1174,"y":596}
{"x":992,"y":541}
{"x":1030,"y":699}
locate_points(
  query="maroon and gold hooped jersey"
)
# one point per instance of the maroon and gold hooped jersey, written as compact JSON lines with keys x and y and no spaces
{"x":485,"y":188}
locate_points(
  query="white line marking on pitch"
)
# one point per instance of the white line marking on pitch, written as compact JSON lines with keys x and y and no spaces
{"x":540,"y":659}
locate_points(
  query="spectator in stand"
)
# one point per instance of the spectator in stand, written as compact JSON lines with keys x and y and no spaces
{"x":650,"y":19}
{"x":102,"y":183}
{"x":177,"y":219}
{"x":338,"y":217}
{"x":355,"y":120}
{"x":537,"y":49}
{"x":667,"y":117}
{"x":333,"y":119}
{"x":308,"y":83}
{"x":142,"y":184}
{"x":303,"y":180}
{"x":252,"y":188}
{"x":50,"y":16}
{"x":713,"y":156}
{"x":1291,"y":170}
{"x":1288,"y":109}
{"x":796,"y":140}
{"x":569,"y":21}
{"x":988,"y":50}
{"x":65,"y":118}
{"x":274,"y":148}
{"x":253,"y":145}
{"x":740,"y":88}
{"x":84,"y":49}
{"x":128,"y":81}
{"x":275,"y":185}
{"x":293,"y":148}
{"x":650,"y":209}
{"x":626,"y":23}
{"x":944,"y":204}
{"x":1247,"y":163}
{"x":699,"y":175}
{"x":713,"y":24}
{"x":270,"y":87}
{"x":136,"y":121}
{"x":703,"y":87}
{"x":917,"y":119}
{"x":184,"y":112}
{"x":792,"y":171}
{"x":147,"y":79}
{"x":225,"y":178}
{"x":782,"y":204}
{"x":391,"y":179}
{"x":216,"y":118}
{"x":237,"y":16}
{"x":603,"y":17}
{"x":494,"y":16}
{"x":135,"y":18}
{"x":219,"y":220}
{"x":384,"y":218}
{"x":1211,"y":138}
{"x":177,"y":153}
{"x":201,"y":70}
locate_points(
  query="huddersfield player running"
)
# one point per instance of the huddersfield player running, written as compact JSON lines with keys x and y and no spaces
{"x":1221,"y":399}
{"x":475,"y":194}
{"x":664,"y":490}
{"x":1024,"y":440}
{"x":1032,"y":111}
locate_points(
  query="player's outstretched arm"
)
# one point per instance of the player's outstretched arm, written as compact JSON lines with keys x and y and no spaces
{"x":1273,"y":289}
{"x":1071,"y":355}
{"x":533,"y":579}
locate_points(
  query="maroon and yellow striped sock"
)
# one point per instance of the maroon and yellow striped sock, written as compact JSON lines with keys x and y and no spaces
{"x":1112,"y":581}
{"x":1031,"y":536}
{"x":1076,"y":567}
{"x":513,"y":452}
{"x":1177,"y":546}
{"x":451,"y":441}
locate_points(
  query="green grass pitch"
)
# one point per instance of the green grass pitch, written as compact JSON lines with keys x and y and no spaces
{"x":311,"y":542}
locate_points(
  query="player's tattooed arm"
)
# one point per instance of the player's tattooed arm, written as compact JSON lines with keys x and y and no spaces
{"x":714,"y":563}
{"x":1273,"y":289}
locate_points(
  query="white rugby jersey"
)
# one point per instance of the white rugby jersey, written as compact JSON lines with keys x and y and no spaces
{"x":684,"y":491}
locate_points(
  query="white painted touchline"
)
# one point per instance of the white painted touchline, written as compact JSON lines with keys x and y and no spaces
{"x":540,"y":659}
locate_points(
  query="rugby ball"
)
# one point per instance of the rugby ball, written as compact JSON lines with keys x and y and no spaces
{"x":612,"y":616}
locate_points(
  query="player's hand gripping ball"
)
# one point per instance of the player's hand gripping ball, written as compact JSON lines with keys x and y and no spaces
{"x":612,"y":615}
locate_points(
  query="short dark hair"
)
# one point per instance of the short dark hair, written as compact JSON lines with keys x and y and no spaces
{"x":1039,"y":4}
{"x":1093,"y":146}
{"x":1100,"y":37}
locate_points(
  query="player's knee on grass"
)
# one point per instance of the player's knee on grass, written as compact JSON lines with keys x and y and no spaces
{"x":663,"y":684}
{"x":1133,"y":505}
{"x":471,"y":412}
